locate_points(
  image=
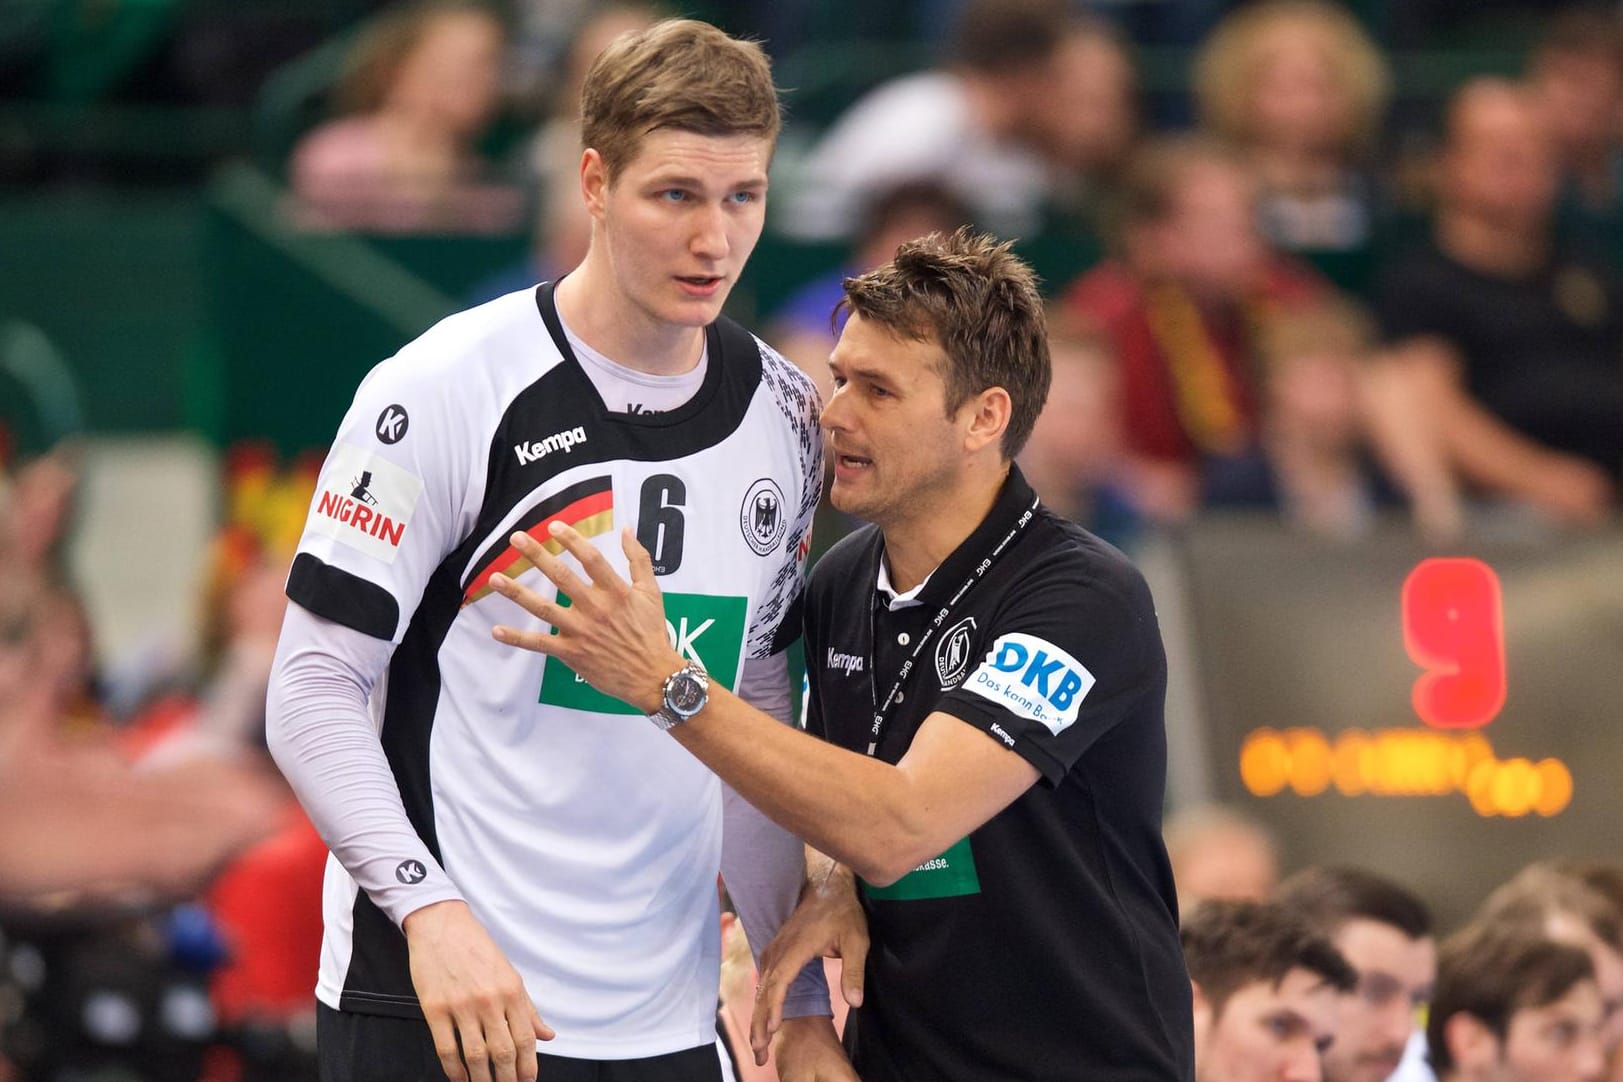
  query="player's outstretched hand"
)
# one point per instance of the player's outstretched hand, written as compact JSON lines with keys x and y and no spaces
{"x":809,"y":1051}
{"x":612,"y":633}
{"x":827,"y":923}
{"x":483,"y":1022}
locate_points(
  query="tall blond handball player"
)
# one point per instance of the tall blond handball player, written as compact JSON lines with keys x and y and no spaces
{"x":516,"y":857}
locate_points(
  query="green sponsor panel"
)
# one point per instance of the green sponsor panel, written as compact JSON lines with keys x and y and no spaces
{"x":702,"y":628}
{"x":950,"y":875}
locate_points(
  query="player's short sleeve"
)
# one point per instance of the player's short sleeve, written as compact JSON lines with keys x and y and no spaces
{"x":387,"y":504}
{"x":1069,"y":656}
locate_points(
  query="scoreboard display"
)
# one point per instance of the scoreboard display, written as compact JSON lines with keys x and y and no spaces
{"x":1442,"y":717}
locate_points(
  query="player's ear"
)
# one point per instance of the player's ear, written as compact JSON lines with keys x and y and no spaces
{"x":594,"y":181}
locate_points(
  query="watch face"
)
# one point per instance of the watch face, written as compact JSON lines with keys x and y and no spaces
{"x":686,"y":693}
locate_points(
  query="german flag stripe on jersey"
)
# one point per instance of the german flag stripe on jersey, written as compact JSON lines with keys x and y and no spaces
{"x":587,"y":506}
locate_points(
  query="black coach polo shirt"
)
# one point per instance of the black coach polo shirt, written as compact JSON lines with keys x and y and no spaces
{"x":1044,"y":946}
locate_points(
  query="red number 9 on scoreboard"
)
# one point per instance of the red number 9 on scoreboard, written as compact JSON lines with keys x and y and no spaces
{"x":1454,"y":628}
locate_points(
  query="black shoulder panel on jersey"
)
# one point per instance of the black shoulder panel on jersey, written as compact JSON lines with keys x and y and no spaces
{"x":343,"y":597}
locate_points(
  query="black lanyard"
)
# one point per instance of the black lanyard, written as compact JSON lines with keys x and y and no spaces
{"x":882,"y":711}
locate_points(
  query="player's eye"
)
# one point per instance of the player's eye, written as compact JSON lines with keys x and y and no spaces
{"x":673,"y":195}
{"x":744,"y":198}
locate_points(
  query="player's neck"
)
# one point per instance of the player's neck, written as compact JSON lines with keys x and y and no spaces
{"x":591,"y":303}
{"x":920,"y":539}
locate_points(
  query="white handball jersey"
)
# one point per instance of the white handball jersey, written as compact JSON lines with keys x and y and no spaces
{"x":584,"y":839}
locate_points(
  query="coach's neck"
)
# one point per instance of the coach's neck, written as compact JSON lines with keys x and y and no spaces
{"x":918,"y":540}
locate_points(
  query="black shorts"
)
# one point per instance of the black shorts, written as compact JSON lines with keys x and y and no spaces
{"x":375,"y":1048}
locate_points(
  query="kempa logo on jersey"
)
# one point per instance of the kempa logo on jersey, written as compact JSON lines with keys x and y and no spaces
{"x":702,"y":628}
{"x":846,"y":663}
{"x":365,"y":502}
{"x":1033,"y":678}
{"x":536,"y":450}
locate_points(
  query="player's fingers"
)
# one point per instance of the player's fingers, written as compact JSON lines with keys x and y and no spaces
{"x":500,"y":1047}
{"x":597,"y":567}
{"x":642,"y":564}
{"x":445,"y":1045}
{"x":543,"y":1032}
{"x":521,"y":1027}
{"x":561,"y":574}
{"x":475,"y":1051}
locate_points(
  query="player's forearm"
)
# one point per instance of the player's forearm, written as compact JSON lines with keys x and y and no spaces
{"x":762,"y":864}
{"x":860,"y":811}
{"x":322,"y":737}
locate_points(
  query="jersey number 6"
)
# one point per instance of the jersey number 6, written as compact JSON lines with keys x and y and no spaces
{"x":659,"y":521}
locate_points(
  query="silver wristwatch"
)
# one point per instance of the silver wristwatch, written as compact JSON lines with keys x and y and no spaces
{"x":687,"y":690}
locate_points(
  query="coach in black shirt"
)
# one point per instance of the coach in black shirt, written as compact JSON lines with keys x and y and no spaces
{"x":989,"y":680}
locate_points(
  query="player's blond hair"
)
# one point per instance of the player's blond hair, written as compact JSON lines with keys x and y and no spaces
{"x":679,"y":74}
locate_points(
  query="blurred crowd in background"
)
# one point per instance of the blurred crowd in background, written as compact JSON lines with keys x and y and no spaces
{"x":1293,"y":271}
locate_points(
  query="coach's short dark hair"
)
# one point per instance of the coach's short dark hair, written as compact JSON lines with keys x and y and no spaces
{"x":979,"y":302}
{"x":1329,"y":897}
{"x":1228,"y":945}
{"x":1490,"y":971}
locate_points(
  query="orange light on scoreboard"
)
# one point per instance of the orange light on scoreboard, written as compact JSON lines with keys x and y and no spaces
{"x":1403,"y":763}
{"x":1454,"y":629}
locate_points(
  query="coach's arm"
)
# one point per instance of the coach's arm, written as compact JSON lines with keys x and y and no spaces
{"x":881,"y":820}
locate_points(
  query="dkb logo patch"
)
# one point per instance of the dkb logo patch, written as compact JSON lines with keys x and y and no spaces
{"x":1034,"y":679}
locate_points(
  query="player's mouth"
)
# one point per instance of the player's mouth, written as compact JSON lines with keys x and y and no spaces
{"x":700,"y":285}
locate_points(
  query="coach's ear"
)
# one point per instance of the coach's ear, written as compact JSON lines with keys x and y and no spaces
{"x":986,"y":415}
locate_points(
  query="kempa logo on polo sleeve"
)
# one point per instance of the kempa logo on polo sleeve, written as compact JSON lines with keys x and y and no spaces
{"x":365,"y":502}
{"x":1034,"y":679}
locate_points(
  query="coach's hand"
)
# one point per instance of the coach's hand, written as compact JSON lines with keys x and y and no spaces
{"x":809,"y":1051}
{"x":827,"y":923}
{"x":483,"y":1022}
{"x":613,"y":631}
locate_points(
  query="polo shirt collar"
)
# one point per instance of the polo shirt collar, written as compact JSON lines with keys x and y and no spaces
{"x":1012,"y":501}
